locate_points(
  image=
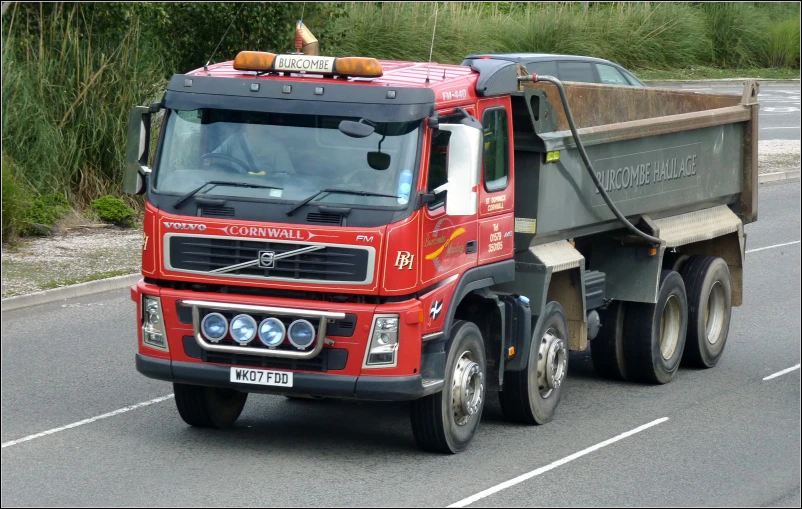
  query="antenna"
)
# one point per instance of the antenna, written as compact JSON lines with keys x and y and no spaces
{"x":206,"y":67}
{"x":431,"y":49}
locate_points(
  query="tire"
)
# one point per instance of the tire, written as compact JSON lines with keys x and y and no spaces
{"x":707,"y":281}
{"x":438,"y":423}
{"x":523,"y":397}
{"x":652,"y":354}
{"x":607,"y":349}
{"x":208,"y":407}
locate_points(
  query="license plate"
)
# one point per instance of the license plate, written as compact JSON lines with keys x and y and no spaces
{"x":261,"y":377}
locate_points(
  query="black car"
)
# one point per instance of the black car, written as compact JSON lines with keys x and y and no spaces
{"x":568,"y":67}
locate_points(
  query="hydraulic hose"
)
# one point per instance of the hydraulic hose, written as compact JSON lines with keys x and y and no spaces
{"x":551,"y":79}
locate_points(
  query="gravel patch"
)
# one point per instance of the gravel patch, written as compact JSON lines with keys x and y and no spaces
{"x":778,"y":155}
{"x":42,"y":263}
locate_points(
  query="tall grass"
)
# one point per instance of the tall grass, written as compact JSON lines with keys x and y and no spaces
{"x":640,"y":35}
{"x":66,"y":93}
{"x":781,"y":46}
{"x":72,"y":71}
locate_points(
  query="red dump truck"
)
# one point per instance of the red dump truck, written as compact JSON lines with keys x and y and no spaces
{"x":400,"y":231}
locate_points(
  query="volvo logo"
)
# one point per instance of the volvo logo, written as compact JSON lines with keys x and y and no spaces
{"x":266,"y":259}
{"x":185,"y":226}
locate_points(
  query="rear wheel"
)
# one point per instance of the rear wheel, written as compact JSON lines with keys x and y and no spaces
{"x":654,"y":334}
{"x":531,"y":396}
{"x":208,"y":407}
{"x":447,"y":421}
{"x":607,"y":349}
{"x":707,"y":281}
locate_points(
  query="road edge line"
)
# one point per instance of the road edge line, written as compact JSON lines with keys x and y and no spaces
{"x":534,"y":473}
{"x":87,"y":421}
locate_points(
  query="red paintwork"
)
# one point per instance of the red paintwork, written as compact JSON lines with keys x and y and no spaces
{"x":425,"y":252}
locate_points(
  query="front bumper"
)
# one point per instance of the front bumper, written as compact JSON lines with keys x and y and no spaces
{"x":375,"y":388}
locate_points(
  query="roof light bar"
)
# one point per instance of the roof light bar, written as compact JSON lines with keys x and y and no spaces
{"x":349,"y":66}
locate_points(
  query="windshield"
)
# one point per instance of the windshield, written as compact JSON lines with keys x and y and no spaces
{"x":286,"y":157}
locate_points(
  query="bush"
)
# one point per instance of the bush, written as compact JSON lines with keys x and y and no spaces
{"x":16,"y":201}
{"x":113,"y":210}
{"x":47,"y":209}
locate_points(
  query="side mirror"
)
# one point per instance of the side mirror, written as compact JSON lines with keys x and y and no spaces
{"x":378,"y":160}
{"x":136,"y":154}
{"x":464,"y":168}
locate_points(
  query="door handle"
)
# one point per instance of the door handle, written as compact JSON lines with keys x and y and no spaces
{"x":470,"y":247}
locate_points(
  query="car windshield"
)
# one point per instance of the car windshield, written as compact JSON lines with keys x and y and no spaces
{"x":286,"y":157}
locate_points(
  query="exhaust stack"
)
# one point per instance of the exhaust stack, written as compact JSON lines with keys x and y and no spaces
{"x":305,"y":41}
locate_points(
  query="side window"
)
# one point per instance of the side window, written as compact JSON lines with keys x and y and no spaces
{"x":496,"y":152}
{"x":609,"y":75}
{"x":635,"y":82}
{"x":438,"y":165}
{"x":576,"y":71}
{"x":545,"y":68}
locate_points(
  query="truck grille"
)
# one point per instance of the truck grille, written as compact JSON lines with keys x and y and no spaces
{"x":229,"y":257}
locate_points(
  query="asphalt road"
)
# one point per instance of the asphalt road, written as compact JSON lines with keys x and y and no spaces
{"x":731,"y":438}
{"x":779,"y":107}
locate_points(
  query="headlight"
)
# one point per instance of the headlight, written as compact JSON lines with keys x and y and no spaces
{"x":214,"y":327}
{"x":271,"y":332}
{"x":152,"y":323}
{"x":243,"y":329}
{"x":301,"y":334}
{"x":383,"y":345}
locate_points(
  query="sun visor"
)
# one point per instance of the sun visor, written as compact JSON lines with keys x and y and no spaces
{"x":378,"y":103}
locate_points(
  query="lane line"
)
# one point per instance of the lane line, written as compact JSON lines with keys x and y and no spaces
{"x":534,"y":473}
{"x":781,"y":373}
{"x":87,"y":421}
{"x":774,"y":246}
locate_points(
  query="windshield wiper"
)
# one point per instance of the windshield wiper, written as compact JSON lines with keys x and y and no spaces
{"x":218,"y":183}
{"x":343,"y":191}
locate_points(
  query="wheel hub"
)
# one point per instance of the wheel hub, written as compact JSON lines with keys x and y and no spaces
{"x":715,"y":312}
{"x":552,"y":361}
{"x":467,"y":390}
{"x":670,"y":328}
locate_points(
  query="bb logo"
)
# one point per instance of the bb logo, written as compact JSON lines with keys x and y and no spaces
{"x":404,"y":259}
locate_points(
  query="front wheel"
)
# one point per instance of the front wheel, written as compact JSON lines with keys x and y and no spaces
{"x":208,"y":407}
{"x":447,"y":421}
{"x":531,"y":396}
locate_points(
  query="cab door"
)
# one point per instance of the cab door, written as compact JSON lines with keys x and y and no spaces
{"x":449,"y":244}
{"x":496,"y":192}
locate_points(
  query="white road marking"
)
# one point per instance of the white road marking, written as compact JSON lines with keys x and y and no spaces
{"x":781,"y":373}
{"x":87,"y":421}
{"x":551,"y":466}
{"x":774,"y":246}
{"x":771,"y":128}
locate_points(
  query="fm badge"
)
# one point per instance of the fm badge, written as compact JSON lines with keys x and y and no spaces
{"x":434,"y":311}
{"x":404,"y":260}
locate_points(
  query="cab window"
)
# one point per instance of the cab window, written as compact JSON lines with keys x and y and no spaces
{"x":496,"y":149}
{"x":438,"y":166}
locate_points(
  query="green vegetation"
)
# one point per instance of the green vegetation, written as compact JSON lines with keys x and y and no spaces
{"x":710,"y":73}
{"x":58,"y":283}
{"x":16,"y":200}
{"x":72,"y":71}
{"x":113,"y":210}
